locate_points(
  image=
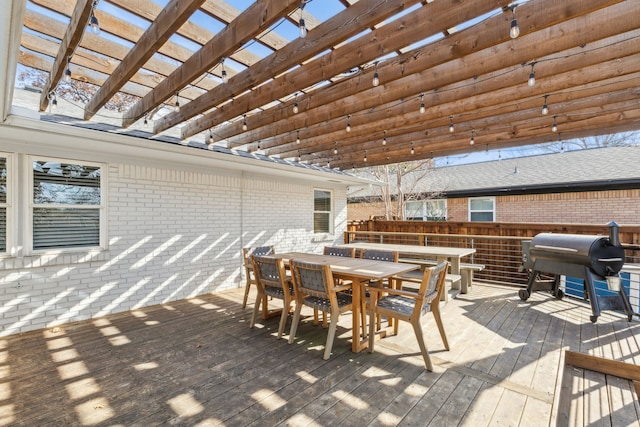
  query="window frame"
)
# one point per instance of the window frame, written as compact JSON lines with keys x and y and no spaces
{"x":9,"y":205}
{"x":330,"y":212}
{"x":493,"y":210}
{"x":424,"y":211}
{"x":31,"y":205}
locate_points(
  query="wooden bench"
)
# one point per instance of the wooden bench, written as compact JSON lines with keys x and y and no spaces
{"x":466,"y":270}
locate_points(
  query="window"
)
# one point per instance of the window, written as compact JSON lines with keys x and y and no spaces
{"x":426,"y":210}
{"x":67,"y":205}
{"x":321,"y":211}
{"x":4,"y":202}
{"x":482,"y":209}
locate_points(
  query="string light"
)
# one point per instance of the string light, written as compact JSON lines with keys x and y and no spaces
{"x":532,"y":76}
{"x":244,"y":122}
{"x":210,"y":137}
{"x":177,"y":106}
{"x":554,"y":128}
{"x":451,"y":129}
{"x":413,"y":151}
{"x":335,"y":147}
{"x":365,"y":156}
{"x":67,"y":71}
{"x":295,"y":105}
{"x":298,"y":155}
{"x":384,"y":139}
{"x":301,"y":23}
{"x":328,"y":164}
{"x":514,"y":31}
{"x":225,"y":78}
{"x":545,"y":107}
{"x":94,"y":26}
{"x":422,"y":107}
{"x":349,"y":123}
{"x":376,"y":77}
{"x":473,"y":139}
{"x":297,"y":137}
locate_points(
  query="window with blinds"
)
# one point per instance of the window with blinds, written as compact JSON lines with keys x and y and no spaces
{"x":482,"y":209}
{"x":321,"y":211}
{"x":67,"y":204}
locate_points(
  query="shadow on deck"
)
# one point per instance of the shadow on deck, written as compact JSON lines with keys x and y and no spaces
{"x":196,"y":362}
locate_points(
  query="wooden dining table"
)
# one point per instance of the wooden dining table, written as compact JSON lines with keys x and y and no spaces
{"x":358,"y":271}
{"x":440,"y":253}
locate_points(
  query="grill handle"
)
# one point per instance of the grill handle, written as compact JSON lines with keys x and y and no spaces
{"x":556,"y":249}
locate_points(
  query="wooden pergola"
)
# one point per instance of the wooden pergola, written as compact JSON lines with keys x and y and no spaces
{"x":452,"y":79}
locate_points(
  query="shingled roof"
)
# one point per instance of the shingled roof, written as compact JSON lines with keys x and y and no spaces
{"x":583,"y":170}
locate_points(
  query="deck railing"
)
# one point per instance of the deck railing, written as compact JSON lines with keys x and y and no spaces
{"x":500,"y":254}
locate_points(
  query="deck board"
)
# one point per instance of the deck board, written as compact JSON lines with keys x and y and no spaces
{"x":196,"y":361}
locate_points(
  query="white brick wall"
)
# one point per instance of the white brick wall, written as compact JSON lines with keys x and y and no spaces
{"x":172,"y":235}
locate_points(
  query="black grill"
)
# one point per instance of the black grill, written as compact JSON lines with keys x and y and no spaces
{"x":585,"y":257}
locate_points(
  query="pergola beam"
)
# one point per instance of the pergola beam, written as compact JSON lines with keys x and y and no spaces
{"x":381,"y":41}
{"x":176,"y":13}
{"x":332,"y":31}
{"x":73,"y":35}
{"x":257,"y":18}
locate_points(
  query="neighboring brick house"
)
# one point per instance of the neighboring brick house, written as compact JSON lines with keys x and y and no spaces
{"x":587,"y":186}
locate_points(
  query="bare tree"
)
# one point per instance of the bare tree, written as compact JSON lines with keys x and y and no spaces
{"x":76,"y":91}
{"x":401,"y":184}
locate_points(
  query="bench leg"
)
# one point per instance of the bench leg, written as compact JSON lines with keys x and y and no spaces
{"x":467,"y":278}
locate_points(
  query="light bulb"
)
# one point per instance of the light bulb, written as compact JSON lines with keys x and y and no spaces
{"x":412,"y":150}
{"x":225,"y":78}
{"x":335,"y":148}
{"x":303,"y":28}
{"x":514,"y":32}
{"x":94,"y":25}
{"x":451,"y":124}
{"x":384,"y":140}
{"x":297,"y":137}
{"x":422,"y":108}
{"x":295,"y":108}
{"x":54,"y":100}
{"x":244,"y":122}
{"x":554,"y":128}
{"x":349,"y":123}
{"x":532,"y":78}
{"x":365,"y":156}
{"x":146,"y":122}
{"x":177,"y":106}
{"x":376,"y":79}
{"x":545,"y":110}
{"x":473,"y":139}
{"x":67,"y":74}
{"x":210,"y":137}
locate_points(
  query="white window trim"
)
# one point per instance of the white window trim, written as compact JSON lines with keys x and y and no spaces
{"x":10,"y":206}
{"x":331,"y":215}
{"x":28,"y":225}
{"x":493,"y":211}
{"x":423,"y":203}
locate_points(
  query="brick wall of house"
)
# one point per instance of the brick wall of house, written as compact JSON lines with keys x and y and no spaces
{"x":595,"y":207}
{"x":172,"y":234}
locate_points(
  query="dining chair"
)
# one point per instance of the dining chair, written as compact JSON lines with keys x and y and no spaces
{"x":336,"y":251}
{"x":314,"y":287}
{"x":272,"y":281}
{"x":410,"y":306}
{"x":248,"y":266}
{"x":377,"y":255}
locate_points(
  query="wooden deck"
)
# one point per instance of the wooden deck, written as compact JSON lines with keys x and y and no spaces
{"x":196,"y":362}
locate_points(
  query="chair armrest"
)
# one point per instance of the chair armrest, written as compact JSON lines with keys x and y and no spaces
{"x":342,"y":288}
